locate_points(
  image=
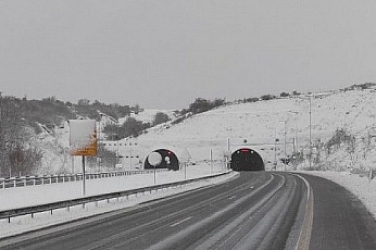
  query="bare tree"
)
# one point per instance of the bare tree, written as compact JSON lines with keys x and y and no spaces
{"x":17,"y":155}
{"x":351,"y":148}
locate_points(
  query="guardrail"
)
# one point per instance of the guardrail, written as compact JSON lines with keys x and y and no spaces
{"x":8,"y":214}
{"x":23,"y":181}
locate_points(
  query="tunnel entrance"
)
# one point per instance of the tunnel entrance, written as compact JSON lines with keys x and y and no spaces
{"x":169,"y":160}
{"x":246,"y":159}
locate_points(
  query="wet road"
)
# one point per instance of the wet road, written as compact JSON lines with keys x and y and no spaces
{"x":340,"y":219}
{"x":257,"y":210}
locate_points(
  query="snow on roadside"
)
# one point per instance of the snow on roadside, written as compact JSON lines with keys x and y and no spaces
{"x":361,"y":187}
{"x":17,"y":197}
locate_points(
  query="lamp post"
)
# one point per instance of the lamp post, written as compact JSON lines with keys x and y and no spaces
{"x":275,"y":147}
{"x":275,"y":153}
{"x":310,"y":131}
{"x":99,"y":145}
{"x":285,"y":144}
{"x":277,"y":140}
{"x":285,"y":139}
{"x":290,"y":112}
{"x":310,"y":128}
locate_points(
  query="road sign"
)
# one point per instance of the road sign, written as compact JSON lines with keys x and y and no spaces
{"x":83,"y":137}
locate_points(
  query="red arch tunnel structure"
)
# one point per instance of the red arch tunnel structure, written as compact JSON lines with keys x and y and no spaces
{"x":246,"y":159}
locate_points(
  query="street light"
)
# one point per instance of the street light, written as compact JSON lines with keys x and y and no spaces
{"x":275,"y":153}
{"x":277,"y":140}
{"x":99,"y":145}
{"x":291,"y":112}
{"x":310,"y":129}
{"x":285,"y":138}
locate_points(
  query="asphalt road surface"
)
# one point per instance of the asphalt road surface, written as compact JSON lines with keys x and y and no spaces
{"x":257,"y":210}
{"x":340,"y":219}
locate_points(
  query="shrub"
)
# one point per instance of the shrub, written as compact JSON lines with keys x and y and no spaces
{"x":160,"y":118}
{"x":131,"y":127}
{"x":202,"y":105}
{"x":267,"y":97}
{"x":295,"y":93}
{"x":340,"y":136}
{"x":252,"y":99}
{"x":284,"y":94}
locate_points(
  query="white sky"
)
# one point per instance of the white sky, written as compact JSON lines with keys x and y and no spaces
{"x":166,"y":53}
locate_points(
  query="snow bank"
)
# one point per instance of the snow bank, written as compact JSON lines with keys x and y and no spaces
{"x":33,"y":195}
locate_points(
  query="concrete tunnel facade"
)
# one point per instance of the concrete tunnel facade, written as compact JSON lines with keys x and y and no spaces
{"x":169,"y":160}
{"x":242,"y":159}
{"x":247,"y":159}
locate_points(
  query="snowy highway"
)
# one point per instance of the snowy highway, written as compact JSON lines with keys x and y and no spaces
{"x":257,"y":210}
{"x":254,"y":211}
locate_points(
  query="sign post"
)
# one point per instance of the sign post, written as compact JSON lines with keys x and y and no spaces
{"x":155,"y":159}
{"x":83,"y":176}
{"x":83,"y":142}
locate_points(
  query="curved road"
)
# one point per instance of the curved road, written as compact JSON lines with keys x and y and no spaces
{"x":257,"y":210}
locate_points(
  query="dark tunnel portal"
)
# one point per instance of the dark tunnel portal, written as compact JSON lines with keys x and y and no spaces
{"x":246,"y":159}
{"x":169,"y":160}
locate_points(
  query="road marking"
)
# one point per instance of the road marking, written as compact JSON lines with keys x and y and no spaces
{"x":180,"y":222}
{"x":232,"y":197}
{"x":304,"y":239}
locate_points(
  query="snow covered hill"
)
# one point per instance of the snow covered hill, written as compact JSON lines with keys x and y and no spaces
{"x":258,"y":124}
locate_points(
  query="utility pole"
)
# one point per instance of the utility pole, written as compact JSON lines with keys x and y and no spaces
{"x":275,"y":153}
{"x":310,"y":131}
{"x":1,"y":135}
{"x":83,"y":176}
{"x":285,"y":144}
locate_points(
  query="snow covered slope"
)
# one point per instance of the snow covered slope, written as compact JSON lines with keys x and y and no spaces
{"x":258,"y":124}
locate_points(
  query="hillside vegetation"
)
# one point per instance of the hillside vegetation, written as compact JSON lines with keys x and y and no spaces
{"x":23,"y":121}
{"x":31,"y":131}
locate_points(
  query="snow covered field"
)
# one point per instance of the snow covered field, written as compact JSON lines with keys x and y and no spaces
{"x":34,"y":195}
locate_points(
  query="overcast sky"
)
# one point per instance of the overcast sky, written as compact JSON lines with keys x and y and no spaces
{"x":166,"y":53}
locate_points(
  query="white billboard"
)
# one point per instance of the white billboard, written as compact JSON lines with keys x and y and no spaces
{"x":83,"y":137}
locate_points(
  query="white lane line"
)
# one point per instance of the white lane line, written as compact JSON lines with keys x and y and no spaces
{"x":180,"y":222}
